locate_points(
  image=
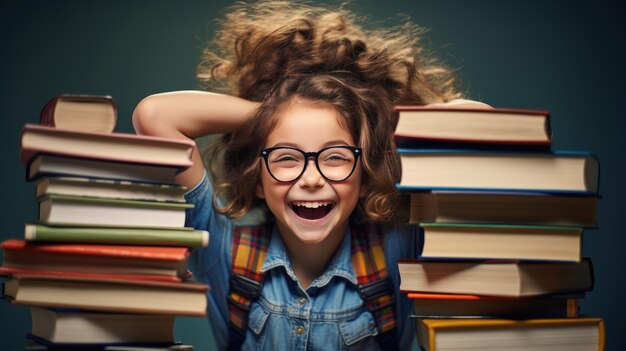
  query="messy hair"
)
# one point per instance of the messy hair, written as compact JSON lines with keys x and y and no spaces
{"x":278,"y":52}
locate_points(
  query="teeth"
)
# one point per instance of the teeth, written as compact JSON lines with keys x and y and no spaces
{"x":312,"y":204}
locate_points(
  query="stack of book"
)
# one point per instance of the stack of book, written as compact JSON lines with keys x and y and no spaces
{"x":501,"y":217}
{"x":105,"y":265}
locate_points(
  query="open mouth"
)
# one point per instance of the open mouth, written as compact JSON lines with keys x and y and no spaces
{"x":312,"y":210}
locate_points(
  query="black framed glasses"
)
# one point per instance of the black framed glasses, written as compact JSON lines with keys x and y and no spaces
{"x":335,"y":163}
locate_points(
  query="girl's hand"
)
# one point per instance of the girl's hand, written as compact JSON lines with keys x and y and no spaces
{"x":461,"y":103}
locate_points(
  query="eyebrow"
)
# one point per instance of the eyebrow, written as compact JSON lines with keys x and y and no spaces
{"x":336,"y":142}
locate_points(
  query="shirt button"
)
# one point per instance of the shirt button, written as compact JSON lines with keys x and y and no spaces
{"x":300,"y":330}
{"x":301,"y":301}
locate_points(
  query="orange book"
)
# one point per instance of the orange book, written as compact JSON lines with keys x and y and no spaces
{"x":132,"y":262}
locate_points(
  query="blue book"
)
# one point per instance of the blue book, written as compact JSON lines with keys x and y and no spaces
{"x":443,"y":169}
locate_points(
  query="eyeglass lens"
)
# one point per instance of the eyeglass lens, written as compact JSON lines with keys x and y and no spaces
{"x":287,"y":164}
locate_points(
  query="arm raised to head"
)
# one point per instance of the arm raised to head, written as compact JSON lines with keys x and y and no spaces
{"x":189,"y":115}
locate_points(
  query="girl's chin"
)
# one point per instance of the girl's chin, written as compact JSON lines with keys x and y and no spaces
{"x":310,"y":234}
{"x":311,"y":238}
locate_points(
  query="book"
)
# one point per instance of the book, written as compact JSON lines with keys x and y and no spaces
{"x":93,"y":211}
{"x":35,"y":343}
{"x":495,"y":278}
{"x":420,"y":126}
{"x":121,"y":235}
{"x":474,"y":306}
{"x":88,"y":113}
{"x":107,"y":188}
{"x":493,"y":170}
{"x":567,"y":334}
{"x":513,"y":208}
{"x":507,"y":242}
{"x":60,"y":166}
{"x":74,"y":326}
{"x":168,"y":263}
{"x":112,"y":295}
{"x":121,"y":147}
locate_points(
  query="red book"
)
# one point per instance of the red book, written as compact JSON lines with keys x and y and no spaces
{"x":91,"y":260}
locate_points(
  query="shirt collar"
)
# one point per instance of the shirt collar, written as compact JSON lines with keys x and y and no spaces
{"x":340,"y":265}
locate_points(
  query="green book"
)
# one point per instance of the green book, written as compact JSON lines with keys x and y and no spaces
{"x":118,"y":235}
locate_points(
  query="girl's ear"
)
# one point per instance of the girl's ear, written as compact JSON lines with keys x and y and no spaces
{"x":363,"y":191}
{"x":259,"y":191}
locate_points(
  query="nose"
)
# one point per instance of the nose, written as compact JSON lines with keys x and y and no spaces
{"x":311,"y":178}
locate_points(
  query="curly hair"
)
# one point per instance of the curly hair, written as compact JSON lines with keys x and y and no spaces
{"x":276,"y":52}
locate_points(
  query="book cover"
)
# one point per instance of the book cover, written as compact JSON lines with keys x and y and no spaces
{"x":560,"y":171}
{"x":91,"y":211}
{"x":530,"y":208}
{"x":423,"y":126}
{"x":44,"y":165}
{"x":121,"y":147}
{"x":155,"y":262}
{"x":532,"y":334}
{"x":149,"y":253}
{"x":113,"y":295}
{"x":428,"y":305}
{"x":34,"y":342}
{"x":73,"y":327}
{"x":468,"y":241}
{"x":107,"y":188}
{"x":187,"y":237}
{"x":80,"y":112}
{"x":12,"y":271}
{"x":495,"y":278}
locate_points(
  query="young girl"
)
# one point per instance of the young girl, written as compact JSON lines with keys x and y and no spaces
{"x":308,"y":137}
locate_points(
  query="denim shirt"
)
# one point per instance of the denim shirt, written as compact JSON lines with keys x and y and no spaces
{"x":328,"y":315}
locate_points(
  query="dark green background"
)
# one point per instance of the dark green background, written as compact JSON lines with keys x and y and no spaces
{"x":565,"y":57}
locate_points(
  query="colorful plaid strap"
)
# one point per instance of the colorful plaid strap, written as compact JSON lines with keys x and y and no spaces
{"x":375,"y":286}
{"x":248,"y":251}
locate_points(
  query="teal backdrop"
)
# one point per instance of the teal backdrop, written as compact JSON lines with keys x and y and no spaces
{"x":565,"y":57}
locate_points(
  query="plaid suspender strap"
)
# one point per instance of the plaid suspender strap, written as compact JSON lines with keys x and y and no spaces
{"x":249,"y":249}
{"x":374,"y":284}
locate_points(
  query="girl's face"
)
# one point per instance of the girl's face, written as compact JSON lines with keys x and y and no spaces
{"x":310,"y":209}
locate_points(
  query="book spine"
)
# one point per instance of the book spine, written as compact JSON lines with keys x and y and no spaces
{"x":46,"y":117}
{"x":130,"y":236}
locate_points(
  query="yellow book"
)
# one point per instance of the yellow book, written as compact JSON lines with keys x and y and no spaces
{"x":571,"y":334}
